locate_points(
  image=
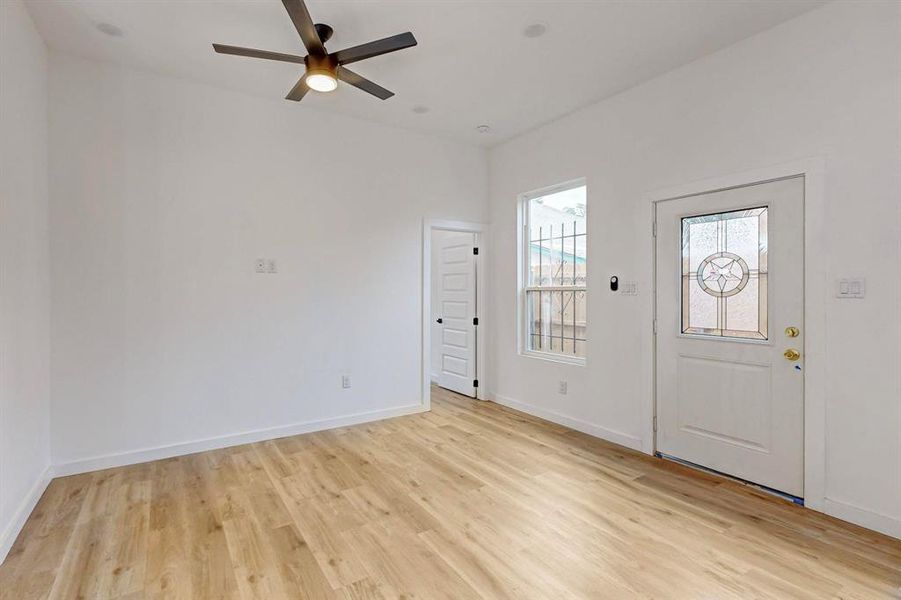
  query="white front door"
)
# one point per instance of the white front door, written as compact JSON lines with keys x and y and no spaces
{"x":457,"y":311}
{"x":730,"y":306}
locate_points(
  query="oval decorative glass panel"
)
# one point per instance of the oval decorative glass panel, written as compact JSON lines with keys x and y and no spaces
{"x":723,"y":274}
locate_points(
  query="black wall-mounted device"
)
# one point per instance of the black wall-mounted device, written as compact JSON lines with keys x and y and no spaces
{"x":614,"y":283}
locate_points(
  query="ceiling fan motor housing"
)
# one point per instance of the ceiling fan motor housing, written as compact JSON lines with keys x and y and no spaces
{"x":321,"y":64}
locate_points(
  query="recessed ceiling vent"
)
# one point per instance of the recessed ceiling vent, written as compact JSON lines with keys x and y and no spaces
{"x":535,"y":30}
{"x":109,"y":29}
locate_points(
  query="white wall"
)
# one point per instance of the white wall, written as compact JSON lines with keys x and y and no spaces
{"x":163,"y":193}
{"x":826,"y":84}
{"x":24,"y":271}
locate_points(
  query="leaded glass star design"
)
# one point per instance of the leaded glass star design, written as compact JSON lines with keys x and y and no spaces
{"x":723,"y":274}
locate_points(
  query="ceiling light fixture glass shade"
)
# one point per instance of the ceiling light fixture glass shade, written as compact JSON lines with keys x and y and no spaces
{"x":321,"y":81}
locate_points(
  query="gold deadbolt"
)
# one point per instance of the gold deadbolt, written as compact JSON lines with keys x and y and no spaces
{"x":792,"y":332}
{"x":791,"y":354}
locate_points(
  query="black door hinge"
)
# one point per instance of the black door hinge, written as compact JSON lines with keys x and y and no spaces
{"x":475,"y":383}
{"x":475,"y":251}
{"x":475,"y":320}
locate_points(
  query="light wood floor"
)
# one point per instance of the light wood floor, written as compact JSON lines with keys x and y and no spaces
{"x":469,"y":501}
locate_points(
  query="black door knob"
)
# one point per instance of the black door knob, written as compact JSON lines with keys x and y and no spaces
{"x":440,"y":320}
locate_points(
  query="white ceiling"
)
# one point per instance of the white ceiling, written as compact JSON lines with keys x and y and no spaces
{"x":473,"y":65}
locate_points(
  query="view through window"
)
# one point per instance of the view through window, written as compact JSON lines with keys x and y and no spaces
{"x":555,"y":240}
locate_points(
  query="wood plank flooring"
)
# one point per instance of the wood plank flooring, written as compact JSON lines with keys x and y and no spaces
{"x":471,"y":500}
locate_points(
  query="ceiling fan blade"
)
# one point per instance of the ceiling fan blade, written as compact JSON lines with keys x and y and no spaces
{"x":348,"y":76}
{"x":368,"y":50}
{"x":300,"y":16}
{"x":299,"y":90}
{"x":254,"y":53}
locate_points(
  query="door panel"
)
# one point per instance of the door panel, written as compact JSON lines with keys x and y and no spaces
{"x":705,"y":382}
{"x":729,"y":281}
{"x":457,"y":308}
{"x":454,"y":337}
{"x":451,"y":365}
{"x":454,"y":310}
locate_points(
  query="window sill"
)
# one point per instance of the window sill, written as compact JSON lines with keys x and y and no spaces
{"x":554,"y":358}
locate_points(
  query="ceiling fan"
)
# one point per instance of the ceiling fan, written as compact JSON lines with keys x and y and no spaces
{"x":323,"y":68}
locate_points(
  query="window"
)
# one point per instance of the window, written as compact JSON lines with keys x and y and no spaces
{"x":724,"y":274}
{"x":554,"y":294}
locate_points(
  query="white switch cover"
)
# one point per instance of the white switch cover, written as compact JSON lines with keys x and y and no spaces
{"x":345,"y":381}
{"x":271,"y":266}
{"x":851,"y":288}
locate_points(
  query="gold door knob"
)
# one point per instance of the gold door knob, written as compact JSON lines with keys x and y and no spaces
{"x":792,"y":332}
{"x":791,"y":354}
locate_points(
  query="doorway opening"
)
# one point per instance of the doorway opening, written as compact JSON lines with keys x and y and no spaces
{"x":452,"y":300}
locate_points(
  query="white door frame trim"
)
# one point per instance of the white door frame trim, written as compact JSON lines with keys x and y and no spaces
{"x":480,"y":229}
{"x":815,"y":289}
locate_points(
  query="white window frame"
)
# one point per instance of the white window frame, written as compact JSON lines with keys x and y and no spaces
{"x":522,"y":316}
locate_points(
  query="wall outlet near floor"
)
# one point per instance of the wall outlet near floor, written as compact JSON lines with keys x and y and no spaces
{"x":562,"y":388}
{"x":345,"y":381}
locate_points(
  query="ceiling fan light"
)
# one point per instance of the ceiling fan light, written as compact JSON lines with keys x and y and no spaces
{"x":321,"y":81}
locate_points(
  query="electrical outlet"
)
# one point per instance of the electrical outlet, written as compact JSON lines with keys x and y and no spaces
{"x":562,"y":388}
{"x":271,"y":266}
{"x":345,"y":381}
{"x":260,"y":265}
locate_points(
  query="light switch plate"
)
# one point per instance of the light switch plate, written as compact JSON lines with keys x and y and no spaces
{"x":851,"y":287}
{"x":629,"y":288}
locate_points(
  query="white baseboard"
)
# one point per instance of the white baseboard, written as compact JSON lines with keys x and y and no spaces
{"x":863,"y":517}
{"x":12,"y":530}
{"x":610,"y":435}
{"x":134,"y":457}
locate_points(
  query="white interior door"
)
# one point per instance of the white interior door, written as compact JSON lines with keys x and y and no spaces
{"x":730,"y":306}
{"x":457,"y":310}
